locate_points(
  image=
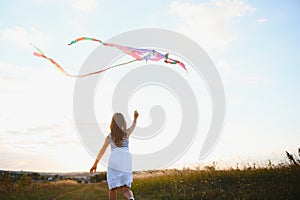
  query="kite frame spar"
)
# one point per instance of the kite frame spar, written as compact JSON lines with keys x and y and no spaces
{"x":138,"y":54}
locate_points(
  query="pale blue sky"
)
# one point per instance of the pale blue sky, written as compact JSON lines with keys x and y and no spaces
{"x":254,"y":44}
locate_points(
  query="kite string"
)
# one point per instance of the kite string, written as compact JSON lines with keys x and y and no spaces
{"x":103,"y":70}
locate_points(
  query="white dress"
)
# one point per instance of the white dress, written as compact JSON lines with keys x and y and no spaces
{"x":119,"y":170}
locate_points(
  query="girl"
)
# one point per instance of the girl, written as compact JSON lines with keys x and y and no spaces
{"x":119,"y":171}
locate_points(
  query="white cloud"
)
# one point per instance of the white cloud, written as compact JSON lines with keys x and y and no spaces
{"x":27,"y":94}
{"x":223,"y":67}
{"x":77,"y":5}
{"x":35,"y":116}
{"x":210,"y":24}
{"x":256,"y":80}
{"x":262,"y":20}
{"x":84,"y":5}
{"x":22,"y":37}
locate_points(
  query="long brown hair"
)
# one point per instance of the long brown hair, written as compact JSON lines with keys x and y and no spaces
{"x":118,"y":128}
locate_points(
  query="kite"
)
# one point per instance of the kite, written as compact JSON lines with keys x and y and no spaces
{"x":137,"y":54}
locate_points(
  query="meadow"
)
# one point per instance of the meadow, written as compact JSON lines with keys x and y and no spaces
{"x":273,"y":182}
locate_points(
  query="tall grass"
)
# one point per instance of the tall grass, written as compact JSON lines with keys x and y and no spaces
{"x":271,"y":182}
{"x":274,"y":183}
{"x":36,"y":190}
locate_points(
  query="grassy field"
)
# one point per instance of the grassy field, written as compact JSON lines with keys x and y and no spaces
{"x":266,"y":183}
{"x":279,"y":183}
{"x":58,"y":190}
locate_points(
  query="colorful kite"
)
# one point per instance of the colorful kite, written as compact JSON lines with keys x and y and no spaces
{"x":138,"y":54}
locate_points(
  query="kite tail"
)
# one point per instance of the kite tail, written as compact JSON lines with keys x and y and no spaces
{"x":173,"y":61}
{"x":85,"y":38}
{"x":41,"y":54}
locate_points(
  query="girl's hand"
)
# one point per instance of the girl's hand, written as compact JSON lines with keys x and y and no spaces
{"x":136,"y":114}
{"x":93,"y":169}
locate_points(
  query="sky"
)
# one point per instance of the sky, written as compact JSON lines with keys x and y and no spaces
{"x":254,"y":45}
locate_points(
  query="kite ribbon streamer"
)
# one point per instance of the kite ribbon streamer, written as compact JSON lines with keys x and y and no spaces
{"x":138,"y":54}
{"x":173,"y":61}
{"x":41,"y":54}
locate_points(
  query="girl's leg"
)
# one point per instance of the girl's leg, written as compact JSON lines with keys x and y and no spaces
{"x":113,"y":194}
{"x":127,"y":193}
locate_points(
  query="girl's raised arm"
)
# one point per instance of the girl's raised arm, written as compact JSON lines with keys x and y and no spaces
{"x":130,"y":130}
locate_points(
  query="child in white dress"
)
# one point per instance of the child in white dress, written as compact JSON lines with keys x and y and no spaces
{"x":119,"y":171}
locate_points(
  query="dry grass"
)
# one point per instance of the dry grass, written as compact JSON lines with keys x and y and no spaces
{"x":263,"y":183}
{"x":273,"y":182}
